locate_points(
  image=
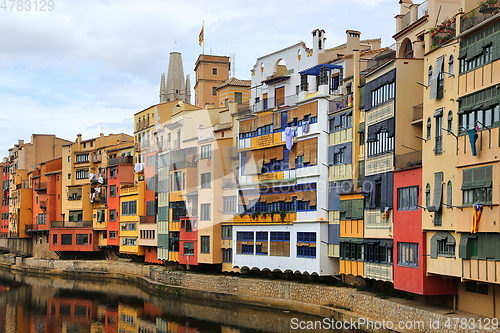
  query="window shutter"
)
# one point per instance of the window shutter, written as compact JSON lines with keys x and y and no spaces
{"x":434,"y":76}
{"x":449,"y":194}
{"x":330,"y":155}
{"x":362,"y":97}
{"x":348,"y":209}
{"x":462,"y":247}
{"x":368,"y":96}
{"x":333,"y":198}
{"x":333,"y":234}
{"x":438,"y":191}
{"x":348,"y":153}
{"x":357,"y":209}
{"x":434,"y":246}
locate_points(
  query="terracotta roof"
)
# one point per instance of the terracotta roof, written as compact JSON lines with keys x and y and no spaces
{"x":363,"y":53}
{"x":235,"y":82}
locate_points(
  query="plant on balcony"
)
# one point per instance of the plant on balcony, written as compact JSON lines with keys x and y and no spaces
{"x":255,"y":215}
{"x":491,"y":3}
{"x":472,"y":14}
{"x":283,"y":216}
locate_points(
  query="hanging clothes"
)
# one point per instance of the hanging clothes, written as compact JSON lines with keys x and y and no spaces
{"x":289,"y":134}
{"x":305,"y":127}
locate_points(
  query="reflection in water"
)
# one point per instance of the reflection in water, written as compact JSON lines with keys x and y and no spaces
{"x":46,"y":305}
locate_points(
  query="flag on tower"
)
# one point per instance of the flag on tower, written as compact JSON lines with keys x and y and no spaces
{"x":201,"y":36}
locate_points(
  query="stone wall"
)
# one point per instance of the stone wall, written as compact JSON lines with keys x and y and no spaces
{"x":288,"y":295}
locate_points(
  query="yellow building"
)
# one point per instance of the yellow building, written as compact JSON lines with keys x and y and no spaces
{"x":234,"y":91}
{"x":131,"y":207}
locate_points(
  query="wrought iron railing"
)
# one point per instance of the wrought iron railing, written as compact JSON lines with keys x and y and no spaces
{"x":147,"y":219}
{"x":71,"y":224}
{"x":478,"y":15}
{"x":408,"y":160}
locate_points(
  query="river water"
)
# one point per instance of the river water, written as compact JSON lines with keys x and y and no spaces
{"x":30,"y":303}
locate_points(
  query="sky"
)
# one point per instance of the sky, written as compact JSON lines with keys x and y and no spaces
{"x":87,"y":66}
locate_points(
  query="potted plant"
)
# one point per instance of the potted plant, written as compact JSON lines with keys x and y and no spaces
{"x":255,"y":215}
{"x":283,"y":216}
{"x":491,"y":3}
{"x":472,"y":14}
{"x":453,"y":20}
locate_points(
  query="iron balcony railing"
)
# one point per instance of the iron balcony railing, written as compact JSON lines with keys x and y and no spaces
{"x":478,"y":15}
{"x":40,"y":186}
{"x":422,"y":10}
{"x":71,"y":224}
{"x":340,"y":102}
{"x":121,"y":160}
{"x":43,"y":204}
{"x":406,"y":20}
{"x":271,"y":103}
{"x":438,"y":148}
{"x":408,"y":160}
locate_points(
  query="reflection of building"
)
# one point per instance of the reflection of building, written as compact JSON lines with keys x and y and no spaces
{"x":128,"y":318}
{"x":4,"y":230}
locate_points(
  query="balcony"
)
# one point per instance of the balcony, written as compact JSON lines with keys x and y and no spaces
{"x":147,"y":219}
{"x":121,"y":160}
{"x":383,"y":57}
{"x":418,"y":113}
{"x":43,"y":205}
{"x":339,"y":103}
{"x":137,"y":146}
{"x":129,"y":190}
{"x":443,"y":32}
{"x":40,"y":186}
{"x":271,"y":103}
{"x":71,"y":224}
{"x":97,"y":158}
{"x":75,"y":195}
{"x":415,"y":14}
{"x":479,"y":15}
{"x":98,"y":179}
{"x":408,"y":160}
{"x":483,"y":270}
{"x":228,"y":182}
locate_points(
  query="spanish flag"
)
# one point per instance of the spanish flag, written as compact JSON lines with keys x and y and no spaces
{"x":201,"y":35}
{"x":476,"y":217}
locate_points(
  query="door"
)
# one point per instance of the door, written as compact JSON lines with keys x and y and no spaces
{"x":279,"y":96}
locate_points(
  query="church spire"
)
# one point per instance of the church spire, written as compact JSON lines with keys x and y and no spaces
{"x":163,"y":90}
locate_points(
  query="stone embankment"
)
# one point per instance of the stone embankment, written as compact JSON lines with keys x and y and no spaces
{"x":342,"y":304}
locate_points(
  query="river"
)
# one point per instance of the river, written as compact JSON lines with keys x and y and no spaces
{"x":30,"y":303}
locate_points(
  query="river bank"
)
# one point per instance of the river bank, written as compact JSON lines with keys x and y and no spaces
{"x":341,"y":304}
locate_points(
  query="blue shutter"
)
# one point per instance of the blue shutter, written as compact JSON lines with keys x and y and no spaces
{"x":348,"y":153}
{"x":330,"y":155}
{"x":333,"y":234}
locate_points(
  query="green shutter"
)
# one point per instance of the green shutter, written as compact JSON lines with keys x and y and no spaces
{"x":348,"y":213}
{"x":463,"y":252}
{"x":362,"y":97}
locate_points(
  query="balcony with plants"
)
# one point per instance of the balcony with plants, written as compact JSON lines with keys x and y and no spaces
{"x":485,"y":11}
{"x":443,"y":32}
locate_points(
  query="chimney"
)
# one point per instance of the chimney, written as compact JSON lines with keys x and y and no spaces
{"x":20,"y":142}
{"x":352,"y":40}
{"x":318,"y":40}
{"x":78,"y":138}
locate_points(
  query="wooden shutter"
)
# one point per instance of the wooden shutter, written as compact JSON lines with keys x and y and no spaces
{"x":307,"y":151}
{"x":300,"y":148}
{"x":292,"y":156}
{"x":279,"y":153}
{"x":277,"y":120}
{"x":300,"y":195}
{"x":314,"y":151}
{"x":313,"y":108}
{"x":265,"y":156}
{"x":312,"y":198}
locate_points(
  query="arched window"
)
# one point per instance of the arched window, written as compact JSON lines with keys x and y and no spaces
{"x":450,"y":122}
{"x":450,"y":66}
{"x":449,"y":194}
{"x":428,"y":128}
{"x":429,"y":74}
{"x":427,"y":195}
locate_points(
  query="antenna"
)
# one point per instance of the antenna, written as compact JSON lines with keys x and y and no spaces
{"x":232,"y":65}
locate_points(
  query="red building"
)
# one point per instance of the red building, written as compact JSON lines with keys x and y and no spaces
{"x":4,"y":229}
{"x":410,"y":241}
{"x":120,"y":172}
{"x":188,"y":241}
{"x":111,"y":323}
{"x":47,"y":191}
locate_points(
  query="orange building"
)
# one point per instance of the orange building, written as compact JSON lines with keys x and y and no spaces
{"x":211,"y":72}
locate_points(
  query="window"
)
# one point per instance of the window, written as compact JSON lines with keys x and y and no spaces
{"x":112,"y":235}
{"x":69,"y":158}
{"x":427,"y":195}
{"x":214,"y":91}
{"x":205,"y":151}
{"x":450,"y":66}
{"x":112,"y":190}
{"x":41,"y":219}
{"x":382,"y":94}
{"x":475,"y":287}
{"x":82,"y":174}
{"x":177,"y":181}
{"x":205,"y":244}
{"x":75,"y":215}
{"x":54,"y":239}
{"x":205,"y":180}
{"x":440,"y":80}
{"x":244,"y":242}
{"x":189,"y":249}
{"x":306,"y":244}
{"x":351,"y":251}
{"x":66,"y":239}
{"x":101,"y":215}
{"x":69,"y":176}
{"x":205,"y":212}
{"x":112,"y":215}
{"x":381,"y":145}
{"x":129,"y":207}
{"x":477,"y":185}
{"x":450,"y":122}
{"x":280,"y":244}
{"x":151,"y":160}
{"x":261,"y":241}
{"x":338,"y":158}
{"x":445,"y":249}
{"x":408,"y":254}
{"x":214,"y":71}
{"x":229,"y":204}
{"x":82,"y":239}
{"x":408,"y":198}
{"x":112,"y":172}
{"x":82,"y":158}
{"x":129,"y":241}
{"x":227,"y":255}
{"x":226,"y":232}
{"x":438,"y":147}
{"x":428,"y":137}
{"x":238,"y":97}
{"x":449,"y":194}
{"x":178,"y":210}
{"x":378,"y":252}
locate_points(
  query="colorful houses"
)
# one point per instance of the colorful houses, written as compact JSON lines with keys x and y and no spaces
{"x":375,"y":165}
